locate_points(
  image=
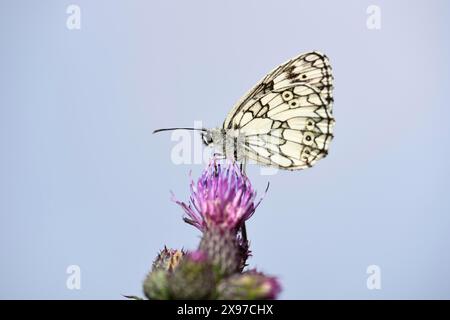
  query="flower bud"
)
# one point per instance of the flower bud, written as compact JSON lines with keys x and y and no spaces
{"x":249,"y":285}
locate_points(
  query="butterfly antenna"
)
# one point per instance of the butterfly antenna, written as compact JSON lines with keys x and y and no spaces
{"x":171,"y":129}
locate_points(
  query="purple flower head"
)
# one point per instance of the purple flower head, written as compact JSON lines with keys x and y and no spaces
{"x":222,"y":197}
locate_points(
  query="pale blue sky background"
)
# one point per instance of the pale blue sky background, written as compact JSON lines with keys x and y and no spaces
{"x":83,"y":181}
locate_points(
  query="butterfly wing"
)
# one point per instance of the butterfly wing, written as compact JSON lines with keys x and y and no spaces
{"x":287,"y":117}
{"x":311,"y":68}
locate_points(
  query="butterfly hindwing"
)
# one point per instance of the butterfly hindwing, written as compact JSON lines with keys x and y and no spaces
{"x":292,"y":128}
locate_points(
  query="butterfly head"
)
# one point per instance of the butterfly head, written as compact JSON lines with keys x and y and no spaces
{"x":207,"y":137}
{"x":213,"y":137}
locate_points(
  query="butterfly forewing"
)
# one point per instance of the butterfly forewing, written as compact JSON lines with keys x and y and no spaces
{"x":287,"y":117}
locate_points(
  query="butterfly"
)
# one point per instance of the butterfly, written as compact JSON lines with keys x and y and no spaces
{"x":285,"y":121}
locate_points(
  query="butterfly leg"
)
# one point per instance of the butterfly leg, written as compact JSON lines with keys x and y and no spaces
{"x":244,"y":233}
{"x":243,"y":166}
{"x":218,"y":156}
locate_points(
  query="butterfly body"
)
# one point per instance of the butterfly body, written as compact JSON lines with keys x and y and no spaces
{"x":226,"y":142}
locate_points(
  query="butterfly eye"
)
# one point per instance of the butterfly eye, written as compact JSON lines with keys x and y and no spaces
{"x":207,"y":139}
{"x":287,"y":95}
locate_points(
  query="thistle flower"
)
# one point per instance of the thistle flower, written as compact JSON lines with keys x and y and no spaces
{"x":221,"y":201}
{"x":222,"y":198}
{"x":248,"y":286}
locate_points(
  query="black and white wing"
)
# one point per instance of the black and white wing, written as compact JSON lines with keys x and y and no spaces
{"x":287,"y":117}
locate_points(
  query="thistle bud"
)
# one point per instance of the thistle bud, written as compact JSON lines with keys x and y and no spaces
{"x":167,"y":259}
{"x":193,"y":278}
{"x":249,"y":285}
{"x":156,"y":285}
